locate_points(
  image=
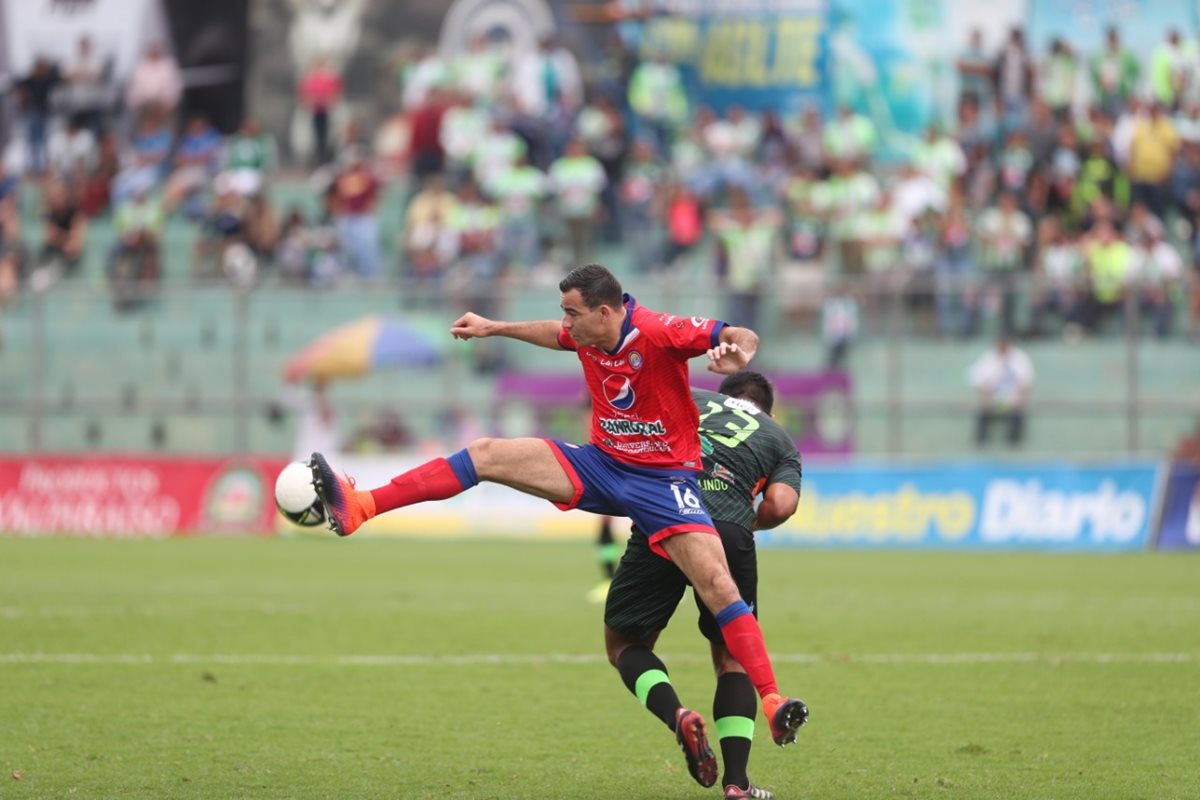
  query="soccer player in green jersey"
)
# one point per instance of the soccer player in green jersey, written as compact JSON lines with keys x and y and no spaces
{"x":745,"y":453}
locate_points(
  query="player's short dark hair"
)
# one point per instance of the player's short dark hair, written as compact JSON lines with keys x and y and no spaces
{"x":752,"y":386}
{"x":597,"y":286}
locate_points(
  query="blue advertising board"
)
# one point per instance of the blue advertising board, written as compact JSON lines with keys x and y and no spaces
{"x":1179,"y":528}
{"x":1105,"y":507}
{"x":757,"y":54}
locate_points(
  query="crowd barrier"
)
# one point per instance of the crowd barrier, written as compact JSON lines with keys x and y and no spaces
{"x":1102,"y":507}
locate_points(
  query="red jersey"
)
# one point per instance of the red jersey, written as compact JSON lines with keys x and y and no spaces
{"x":642,"y":408}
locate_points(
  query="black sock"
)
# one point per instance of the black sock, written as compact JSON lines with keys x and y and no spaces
{"x":606,"y":548}
{"x":646,"y":677}
{"x":734,"y":705}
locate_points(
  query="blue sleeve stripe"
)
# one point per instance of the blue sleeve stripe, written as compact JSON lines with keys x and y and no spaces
{"x":729,"y":613}
{"x":464,"y":468}
{"x":716,"y":333}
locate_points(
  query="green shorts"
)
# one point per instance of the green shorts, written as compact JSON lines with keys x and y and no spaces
{"x":647,"y":588}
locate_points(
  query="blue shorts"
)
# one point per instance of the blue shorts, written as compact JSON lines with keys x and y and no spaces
{"x":661,"y":502}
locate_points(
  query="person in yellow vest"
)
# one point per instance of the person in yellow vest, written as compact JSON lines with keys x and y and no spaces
{"x":1110,"y":262}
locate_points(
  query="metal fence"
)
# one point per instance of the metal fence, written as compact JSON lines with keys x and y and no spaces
{"x":198,"y":368}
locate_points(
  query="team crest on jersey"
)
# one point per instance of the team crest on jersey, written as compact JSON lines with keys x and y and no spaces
{"x":635,"y":359}
{"x":618,"y":391}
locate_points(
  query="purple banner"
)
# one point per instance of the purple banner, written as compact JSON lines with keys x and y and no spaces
{"x":1180,"y":526}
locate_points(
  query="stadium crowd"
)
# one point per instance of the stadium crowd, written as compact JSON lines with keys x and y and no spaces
{"x":1060,"y":195}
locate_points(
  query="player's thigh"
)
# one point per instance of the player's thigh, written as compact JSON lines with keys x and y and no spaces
{"x":527,"y":465}
{"x":700,"y":556}
{"x":644,"y":593}
{"x":742,"y":557}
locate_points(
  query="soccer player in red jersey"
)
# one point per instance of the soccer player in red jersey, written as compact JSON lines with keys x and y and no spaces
{"x":642,"y":462}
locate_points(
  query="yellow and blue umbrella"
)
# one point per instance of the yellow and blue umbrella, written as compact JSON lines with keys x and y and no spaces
{"x":362,"y":346}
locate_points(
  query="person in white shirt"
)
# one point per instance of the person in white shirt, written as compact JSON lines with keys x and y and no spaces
{"x":1159,"y":278}
{"x":1003,"y":377}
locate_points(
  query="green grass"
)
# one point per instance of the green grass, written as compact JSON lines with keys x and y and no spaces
{"x":164,"y":698}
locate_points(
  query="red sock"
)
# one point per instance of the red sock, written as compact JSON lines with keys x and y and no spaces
{"x":435,"y":480}
{"x":744,"y":639}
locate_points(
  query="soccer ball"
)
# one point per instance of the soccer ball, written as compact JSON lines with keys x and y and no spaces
{"x":295,"y":497}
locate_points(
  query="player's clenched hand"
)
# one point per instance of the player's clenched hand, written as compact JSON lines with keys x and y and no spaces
{"x":727,"y":358}
{"x":470,"y":326}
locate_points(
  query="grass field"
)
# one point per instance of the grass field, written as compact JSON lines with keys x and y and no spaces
{"x":315,"y":668}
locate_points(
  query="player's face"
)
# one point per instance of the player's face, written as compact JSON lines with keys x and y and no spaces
{"x":587,"y":326}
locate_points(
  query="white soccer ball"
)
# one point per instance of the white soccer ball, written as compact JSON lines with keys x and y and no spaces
{"x":295,"y":497}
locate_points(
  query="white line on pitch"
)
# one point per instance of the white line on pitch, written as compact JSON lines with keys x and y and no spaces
{"x":503,"y":659}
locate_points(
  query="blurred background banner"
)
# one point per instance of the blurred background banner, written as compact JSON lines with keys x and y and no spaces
{"x":974,"y":506}
{"x":136,"y":497}
{"x":757,"y":54}
{"x":1141,"y":23}
{"x":1180,"y":527}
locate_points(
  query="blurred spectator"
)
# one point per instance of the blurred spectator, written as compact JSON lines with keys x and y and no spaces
{"x":33,"y":101}
{"x":422,"y":76}
{"x":155,"y":84}
{"x":1187,"y":123}
{"x":940,"y":157}
{"x":849,"y":136}
{"x":223,"y":226}
{"x":1173,"y":70}
{"x":319,"y":91}
{"x":548,"y":90}
{"x":144,"y":163}
{"x":71,"y":151}
{"x":63,"y":230}
{"x":1185,"y":181}
{"x":430,"y":244}
{"x":496,"y":152}
{"x":1060,"y":76}
{"x":133,"y":268}
{"x":955,"y":293}
{"x":478,"y":71}
{"x":1142,"y":226}
{"x":197,"y":158}
{"x":1159,"y":279}
{"x":1151,"y":152}
{"x":464,"y":127}
{"x":1004,"y":232}
{"x":1003,"y":377}
{"x":577,"y":180}
{"x":1110,"y":264}
{"x":974,"y":72}
{"x":96,"y":184}
{"x":839,"y":325}
{"x":640,"y":206}
{"x":250,"y":159}
{"x":519,"y":190}
{"x":807,"y":138}
{"x":1061,"y":280}
{"x":748,"y":249}
{"x":89,"y":93}
{"x":601,"y":126}
{"x":1114,"y":72}
{"x":1013,"y":81}
{"x":684,"y":222}
{"x":355,"y":195}
{"x":428,"y":156}
{"x":659,"y":101}
{"x":10,"y":240}
{"x":1100,"y":178}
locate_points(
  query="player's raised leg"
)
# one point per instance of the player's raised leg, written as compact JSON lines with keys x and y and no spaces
{"x":701,"y":558}
{"x":527,"y":465}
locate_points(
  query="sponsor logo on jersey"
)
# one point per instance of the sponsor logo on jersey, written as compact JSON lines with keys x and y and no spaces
{"x":635,"y":359}
{"x":721,"y":472}
{"x":699,"y":321}
{"x":632,"y":427}
{"x":618,"y":391}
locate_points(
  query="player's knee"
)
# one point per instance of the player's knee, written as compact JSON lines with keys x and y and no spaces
{"x":716,"y":587}
{"x":483,"y":452}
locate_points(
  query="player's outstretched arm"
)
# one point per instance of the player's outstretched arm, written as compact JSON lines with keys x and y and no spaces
{"x":778,"y":505}
{"x":736,"y":349}
{"x":543,"y":333}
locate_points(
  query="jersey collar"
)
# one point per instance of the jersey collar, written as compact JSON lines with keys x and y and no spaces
{"x":628,"y":332}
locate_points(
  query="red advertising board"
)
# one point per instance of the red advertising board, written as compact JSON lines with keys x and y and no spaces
{"x":137,"y":496}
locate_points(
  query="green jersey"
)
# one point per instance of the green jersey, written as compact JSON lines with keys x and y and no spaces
{"x":744,"y":451}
